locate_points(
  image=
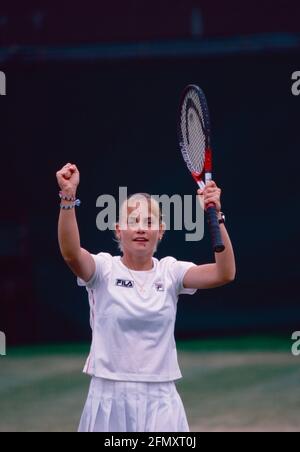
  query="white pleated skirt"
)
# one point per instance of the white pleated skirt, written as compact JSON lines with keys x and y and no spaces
{"x":127,"y":406}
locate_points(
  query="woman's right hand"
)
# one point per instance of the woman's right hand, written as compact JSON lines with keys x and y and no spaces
{"x":68,"y":178}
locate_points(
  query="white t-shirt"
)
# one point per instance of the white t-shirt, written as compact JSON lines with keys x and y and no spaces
{"x":133,"y":332}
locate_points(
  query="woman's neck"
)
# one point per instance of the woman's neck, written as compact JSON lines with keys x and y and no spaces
{"x":140,"y":263}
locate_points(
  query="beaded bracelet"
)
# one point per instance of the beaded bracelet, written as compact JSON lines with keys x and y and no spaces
{"x":65,"y":198}
{"x":77,"y":202}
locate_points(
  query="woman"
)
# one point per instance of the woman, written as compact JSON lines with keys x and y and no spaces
{"x":133,"y":300}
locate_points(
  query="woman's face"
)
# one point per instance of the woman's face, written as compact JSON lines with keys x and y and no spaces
{"x":141,"y":232}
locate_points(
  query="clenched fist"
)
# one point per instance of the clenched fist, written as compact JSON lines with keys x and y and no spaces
{"x":210,"y":194}
{"x":68,"y":178}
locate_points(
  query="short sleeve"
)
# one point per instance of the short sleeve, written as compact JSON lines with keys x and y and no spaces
{"x":103,"y":263}
{"x":178,"y":270}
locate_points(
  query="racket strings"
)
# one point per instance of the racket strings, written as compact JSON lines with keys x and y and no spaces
{"x":192,"y":131}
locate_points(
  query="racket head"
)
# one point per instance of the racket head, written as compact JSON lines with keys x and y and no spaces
{"x":194,"y":136}
{"x":194,"y":133}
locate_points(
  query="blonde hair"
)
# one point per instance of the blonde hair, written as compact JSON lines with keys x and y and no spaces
{"x":154,"y":208}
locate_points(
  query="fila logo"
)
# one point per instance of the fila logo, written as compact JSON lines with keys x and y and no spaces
{"x":124,"y":283}
{"x":159,"y":287}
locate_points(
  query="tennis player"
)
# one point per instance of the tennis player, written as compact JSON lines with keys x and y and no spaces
{"x":133,"y":301}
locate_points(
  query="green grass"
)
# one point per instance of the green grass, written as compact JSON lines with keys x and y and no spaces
{"x":252,"y":343}
{"x":245,"y":384}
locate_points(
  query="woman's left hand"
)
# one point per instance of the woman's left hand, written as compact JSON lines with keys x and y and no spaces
{"x":210,"y":194}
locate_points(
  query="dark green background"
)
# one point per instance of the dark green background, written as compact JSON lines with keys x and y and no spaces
{"x":117,"y":122}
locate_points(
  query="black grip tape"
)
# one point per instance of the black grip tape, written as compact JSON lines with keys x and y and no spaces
{"x":218,"y":245}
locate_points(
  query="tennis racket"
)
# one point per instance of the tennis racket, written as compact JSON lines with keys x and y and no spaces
{"x":194,"y":142}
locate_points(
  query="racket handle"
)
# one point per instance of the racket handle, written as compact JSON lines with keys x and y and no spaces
{"x":218,"y":245}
